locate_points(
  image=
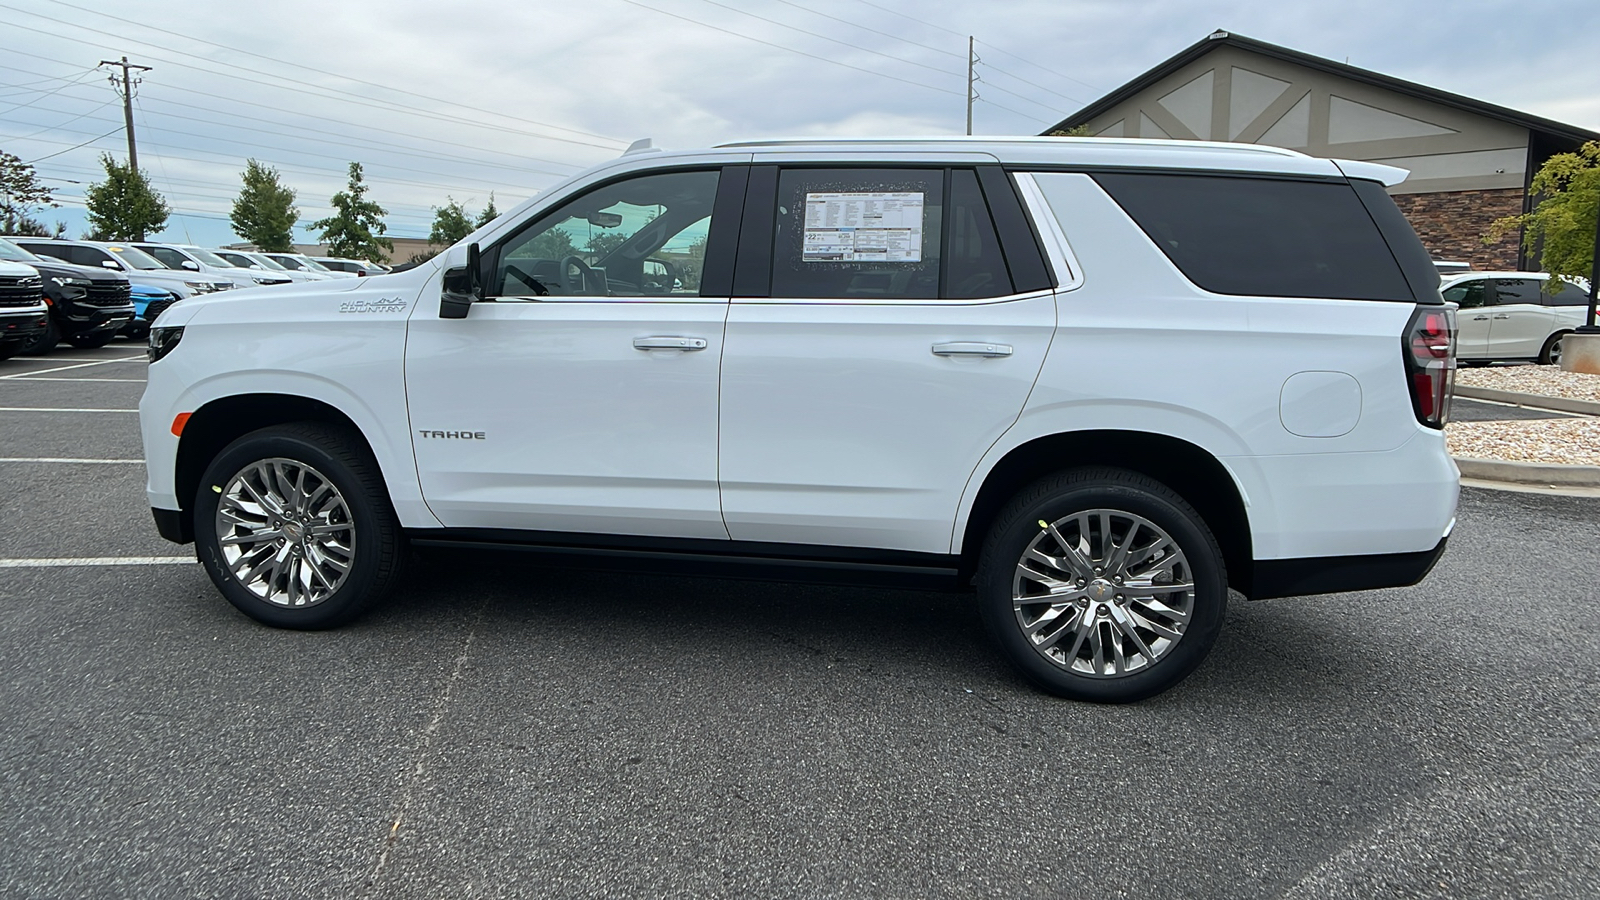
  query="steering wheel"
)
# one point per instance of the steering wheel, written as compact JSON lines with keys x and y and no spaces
{"x":586,"y":275}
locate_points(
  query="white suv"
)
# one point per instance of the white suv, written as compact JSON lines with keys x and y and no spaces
{"x":1101,"y":381}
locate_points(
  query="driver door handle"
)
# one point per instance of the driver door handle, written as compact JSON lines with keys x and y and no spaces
{"x":669,"y":342}
{"x":1502,"y":317}
{"x":972,"y":348}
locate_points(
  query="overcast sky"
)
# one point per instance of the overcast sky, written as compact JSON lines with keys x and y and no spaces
{"x":465,"y":98}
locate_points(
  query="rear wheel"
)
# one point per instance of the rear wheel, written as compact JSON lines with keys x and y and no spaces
{"x":1102,"y":585}
{"x":294,"y":526}
{"x":1551,"y":354}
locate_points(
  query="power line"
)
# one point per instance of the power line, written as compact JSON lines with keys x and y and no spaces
{"x":790,"y":49}
{"x":826,"y":38}
{"x":1032,"y":63}
{"x":994,"y":68}
{"x":912,"y":18}
{"x":49,"y":93}
{"x":67,"y":122}
{"x":75,"y":146}
{"x":27,"y":86}
{"x":366,"y":102}
{"x":886,"y":34}
{"x":453,"y":102}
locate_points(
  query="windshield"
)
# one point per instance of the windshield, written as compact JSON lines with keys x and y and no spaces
{"x":265,"y":260}
{"x":136,"y":258}
{"x":209,"y":258}
{"x":13,"y":253}
{"x":313,"y":265}
{"x":238,"y":259}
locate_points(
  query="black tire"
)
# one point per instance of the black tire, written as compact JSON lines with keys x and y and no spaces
{"x":342,"y":457}
{"x":91,"y":341}
{"x":1550,"y":353}
{"x":1053,"y":501}
{"x":44,"y":342}
{"x":10,"y":349}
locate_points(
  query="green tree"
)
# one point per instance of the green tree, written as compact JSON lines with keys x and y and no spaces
{"x":1561,"y":227}
{"x":1074,"y":131}
{"x":21,"y":192}
{"x":602,"y":243}
{"x":264,"y":213}
{"x":489,"y":213}
{"x":355,"y":230}
{"x":124,"y":206}
{"x":450,"y":223}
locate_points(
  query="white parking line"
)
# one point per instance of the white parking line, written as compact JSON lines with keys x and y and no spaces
{"x":64,"y":459}
{"x":98,"y":362}
{"x":66,"y":561}
{"x":123,"y":380}
{"x":61,"y":409}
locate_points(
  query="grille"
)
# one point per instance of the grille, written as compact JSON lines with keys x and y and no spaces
{"x":108,"y":293}
{"x":156,"y":308}
{"x":24,"y":291}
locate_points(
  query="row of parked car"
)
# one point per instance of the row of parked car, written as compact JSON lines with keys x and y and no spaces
{"x":88,"y":292}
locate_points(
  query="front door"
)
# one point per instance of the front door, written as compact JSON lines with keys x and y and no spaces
{"x":583,"y":398}
{"x":1474,"y":319}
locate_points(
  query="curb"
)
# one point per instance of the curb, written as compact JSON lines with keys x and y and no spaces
{"x":1544,"y":474}
{"x":1537,"y":401}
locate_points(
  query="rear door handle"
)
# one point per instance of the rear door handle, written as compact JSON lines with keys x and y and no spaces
{"x":1502,"y":317}
{"x":971,"y":348}
{"x":1480,"y":318}
{"x":669,"y":342}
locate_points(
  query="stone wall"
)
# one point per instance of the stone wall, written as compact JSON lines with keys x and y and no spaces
{"x":1452,"y":225}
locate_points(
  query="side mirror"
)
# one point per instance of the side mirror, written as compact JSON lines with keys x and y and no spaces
{"x":463,"y":286}
{"x":110,"y":264}
{"x":191,"y":265}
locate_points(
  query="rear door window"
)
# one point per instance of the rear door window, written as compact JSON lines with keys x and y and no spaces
{"x":1517,"y":290}
{"x":858,"y":234}
{"x":1266,"y":237}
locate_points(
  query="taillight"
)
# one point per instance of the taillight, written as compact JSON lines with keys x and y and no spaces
{"x":1429,"y":351}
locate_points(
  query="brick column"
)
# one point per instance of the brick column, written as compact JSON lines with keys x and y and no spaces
{"x":1452,"y":224}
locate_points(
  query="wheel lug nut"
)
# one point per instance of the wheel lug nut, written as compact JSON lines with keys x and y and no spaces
{"x":1099,"y":571}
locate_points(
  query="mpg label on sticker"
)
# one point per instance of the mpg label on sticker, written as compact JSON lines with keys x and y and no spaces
{"x":869,"y":226}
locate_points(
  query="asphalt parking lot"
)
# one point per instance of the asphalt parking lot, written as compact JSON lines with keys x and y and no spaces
{"x":502,"y":729}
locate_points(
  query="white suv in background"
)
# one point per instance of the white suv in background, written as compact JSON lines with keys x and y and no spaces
{"x":1098,"y":381}
{"x":1515,"y":315}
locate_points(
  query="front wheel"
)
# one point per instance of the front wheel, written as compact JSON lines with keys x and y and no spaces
{"x":1102,"y":585}
{"x":294,"y":526}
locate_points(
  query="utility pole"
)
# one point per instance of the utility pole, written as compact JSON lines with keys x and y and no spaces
{"x":124,"y":87}
{"x":971,"y":65}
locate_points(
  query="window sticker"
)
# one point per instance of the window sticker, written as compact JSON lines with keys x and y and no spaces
{"x":871,"y":226}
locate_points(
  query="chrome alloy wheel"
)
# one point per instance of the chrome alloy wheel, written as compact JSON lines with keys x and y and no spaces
{"x":285,"y":532}
{"x":1103,"y":593}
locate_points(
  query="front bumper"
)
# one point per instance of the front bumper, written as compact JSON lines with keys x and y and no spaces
{"x":21,"y":326}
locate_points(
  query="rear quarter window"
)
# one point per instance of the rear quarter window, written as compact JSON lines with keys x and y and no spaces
{"x":1265,"y":237}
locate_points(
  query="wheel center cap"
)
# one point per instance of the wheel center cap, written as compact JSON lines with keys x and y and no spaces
{"x":294,"y":531}
{"x":1099,"y":589}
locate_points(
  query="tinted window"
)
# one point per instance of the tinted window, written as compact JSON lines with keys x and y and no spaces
{"x":859,"y":233}
{"x":1568,"y":294}
{"x":169,"y":257}
{"x":639,"y":237}
{"x":52,"y":251}
{"x":1517,"y":290}
{"x":1263,"y":237}
{"x":88,"y":256}
{"x":974,"y":265}
{"x":1467,"y":293}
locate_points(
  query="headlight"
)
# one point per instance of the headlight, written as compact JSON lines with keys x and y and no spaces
{"x":69,"y":281}
{"x":162,"y":341}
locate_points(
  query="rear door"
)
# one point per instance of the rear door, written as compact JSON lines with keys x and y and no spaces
{"x":881,"y":338}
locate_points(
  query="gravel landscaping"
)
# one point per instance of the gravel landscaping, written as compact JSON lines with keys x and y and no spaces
{"x":1547,"y":380}
{"x":1569,"y":441}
